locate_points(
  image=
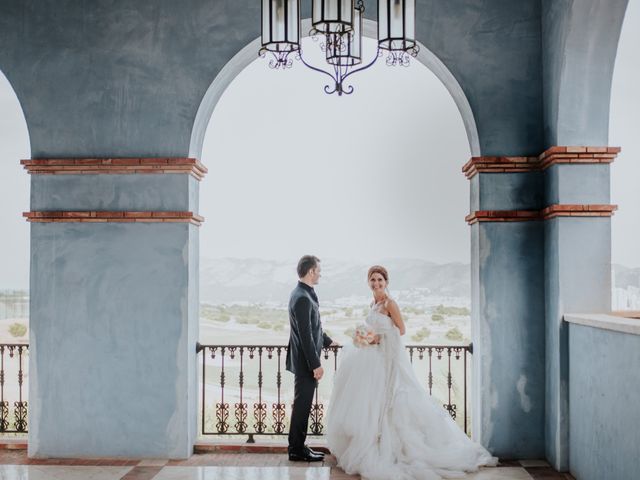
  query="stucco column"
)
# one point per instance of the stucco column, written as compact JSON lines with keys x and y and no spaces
{"x":577,"y":268}
{"x":114,"y":307}
{"x":507,"y":289}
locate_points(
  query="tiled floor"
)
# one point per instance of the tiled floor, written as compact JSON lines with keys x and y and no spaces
{"x":14,"y":465}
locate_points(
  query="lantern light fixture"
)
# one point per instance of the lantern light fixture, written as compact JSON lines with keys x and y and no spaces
{"x":338,"y":24}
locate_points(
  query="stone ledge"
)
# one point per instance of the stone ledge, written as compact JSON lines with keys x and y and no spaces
{"x":551,"y":156}
{"x":605,"y":321}
{"x":113,"y":216}
{"x":114,"y":166}
{"x":552,"y":211}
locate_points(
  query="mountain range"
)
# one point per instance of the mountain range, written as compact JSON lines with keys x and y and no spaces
{"x":233,"y":280}
{"x":252,"y":280}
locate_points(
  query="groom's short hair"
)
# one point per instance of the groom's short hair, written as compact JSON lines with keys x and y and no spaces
{"x":307,"y":263}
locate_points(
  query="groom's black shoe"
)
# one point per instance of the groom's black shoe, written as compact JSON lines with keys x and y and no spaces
{"x":313,"y":452}
{"x":305,"y":456}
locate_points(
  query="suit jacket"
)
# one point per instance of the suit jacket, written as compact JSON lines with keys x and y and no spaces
{"x":306,"y":338}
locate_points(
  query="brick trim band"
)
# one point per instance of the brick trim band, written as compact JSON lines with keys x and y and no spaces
{"x":552,"y":156}
{"x":499,"y":165}
{"x":553,"y":211}
{"x":120,"y":217}
{"x":93,"y":166}
{"x":547,"y":213}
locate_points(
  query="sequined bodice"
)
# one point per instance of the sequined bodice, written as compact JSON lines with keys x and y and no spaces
{"x":378,"y":320}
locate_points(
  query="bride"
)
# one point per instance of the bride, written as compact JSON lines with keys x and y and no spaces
{"x":381,"y":422}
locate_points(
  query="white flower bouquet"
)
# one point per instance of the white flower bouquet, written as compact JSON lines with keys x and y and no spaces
{"x":364,"y":336}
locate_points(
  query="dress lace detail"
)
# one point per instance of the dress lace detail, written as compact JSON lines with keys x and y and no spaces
{"x":382,"y":423}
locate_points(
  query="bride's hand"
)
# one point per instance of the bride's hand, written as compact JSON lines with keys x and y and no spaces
{"x":376,"y":340}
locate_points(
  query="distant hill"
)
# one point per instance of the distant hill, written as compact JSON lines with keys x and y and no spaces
{"x":232,"y":280}
{"x":624,"y":277}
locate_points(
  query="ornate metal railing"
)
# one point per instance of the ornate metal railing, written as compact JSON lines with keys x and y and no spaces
{"x":233,"y":377}
{"x":13,"y":394}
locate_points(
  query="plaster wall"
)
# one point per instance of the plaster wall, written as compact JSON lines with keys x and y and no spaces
{"x":508,"y":324}
{"x":111,"y":340}
{"x":118,"y":78}
{"x":171,"y":192}
{"x":579,"y":44}
{"x":586,"y":184}
{"x":578,"y":279}
{"x":603,"y":395}
{"x":513,"y":191}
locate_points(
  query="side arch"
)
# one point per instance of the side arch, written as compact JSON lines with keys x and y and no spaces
{"x":580,"y":40}
{"x":24,"y":124}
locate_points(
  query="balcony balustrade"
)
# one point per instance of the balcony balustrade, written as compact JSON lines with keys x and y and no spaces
{"x":246,"y":391}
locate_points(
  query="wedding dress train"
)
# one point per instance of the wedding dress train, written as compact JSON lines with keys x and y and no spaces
{"x":383,"y":425}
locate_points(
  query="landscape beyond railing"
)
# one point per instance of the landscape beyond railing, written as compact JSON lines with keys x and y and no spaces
{"x":235,"y":375}
{"x":13,"y":398}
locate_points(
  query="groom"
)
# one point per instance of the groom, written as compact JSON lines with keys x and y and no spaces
{"x":303,"y":355}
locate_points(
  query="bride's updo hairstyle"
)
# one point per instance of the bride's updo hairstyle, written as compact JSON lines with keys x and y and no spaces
{"x":378,"y":269}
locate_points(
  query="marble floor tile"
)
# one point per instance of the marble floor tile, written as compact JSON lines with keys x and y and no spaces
{"x":533,"y":463}
{"x":500,"y":473}
{"x":153,"y":462}
{"x":55,"y":472}
{"x":243,"y":473}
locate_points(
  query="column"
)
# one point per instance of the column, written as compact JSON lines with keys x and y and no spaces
{"x":507,"y":312}
{"x":577,"y":238}
{"x":114,"y":307}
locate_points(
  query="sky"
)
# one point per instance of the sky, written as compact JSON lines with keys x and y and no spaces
{"x":373,"y":175}
{"x":365,"y":177}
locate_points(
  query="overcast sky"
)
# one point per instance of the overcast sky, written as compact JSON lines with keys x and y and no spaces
{"x":370,"y":176}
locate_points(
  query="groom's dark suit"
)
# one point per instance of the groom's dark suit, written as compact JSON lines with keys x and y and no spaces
{"x":303,"y":356}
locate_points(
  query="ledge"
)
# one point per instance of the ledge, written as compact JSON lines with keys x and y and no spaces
{"x":552,"y":156}
{"x":605,"y":321}
{"x":113,"y":166}
{"x":547,"y":213}
{"x":115,"y":216}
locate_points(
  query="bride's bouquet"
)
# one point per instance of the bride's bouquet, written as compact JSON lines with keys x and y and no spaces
{"x":363,"y":336}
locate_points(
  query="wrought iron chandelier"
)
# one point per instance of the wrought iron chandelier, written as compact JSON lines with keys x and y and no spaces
{"x":338,"y":24}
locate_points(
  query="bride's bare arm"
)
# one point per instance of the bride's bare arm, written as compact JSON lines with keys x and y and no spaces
{"x":394,"y":313}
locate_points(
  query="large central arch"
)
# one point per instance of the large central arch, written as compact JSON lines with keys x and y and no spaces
{"x":249,"y":53}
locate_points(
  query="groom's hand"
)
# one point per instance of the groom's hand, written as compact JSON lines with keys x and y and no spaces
{"x":334,"y":344}
{"x":318,"y":373}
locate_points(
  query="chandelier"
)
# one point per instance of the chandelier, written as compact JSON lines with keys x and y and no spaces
{"x":338,"y":25}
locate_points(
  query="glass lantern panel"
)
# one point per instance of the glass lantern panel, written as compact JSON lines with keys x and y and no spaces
{"x":410,"y":20}
{"x":396,"y":14}
{"x":266,"y":31}
{"x":383,"y":15}
{"x":278,"y":20}
{"x":293,"y":20}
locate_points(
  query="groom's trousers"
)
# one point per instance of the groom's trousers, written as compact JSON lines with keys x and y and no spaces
{"x":303,"y":391}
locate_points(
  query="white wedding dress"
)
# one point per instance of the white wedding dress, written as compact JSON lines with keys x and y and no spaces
{"x":382,"y":423}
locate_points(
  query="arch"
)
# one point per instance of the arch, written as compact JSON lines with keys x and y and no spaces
{"x":4,"y":78}
{"x":14,"y":191}
{"x":249,"y":53}
{"x":580,"y":41}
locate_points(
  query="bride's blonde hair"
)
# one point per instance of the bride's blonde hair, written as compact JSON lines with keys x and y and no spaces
{"x":378,"y":269}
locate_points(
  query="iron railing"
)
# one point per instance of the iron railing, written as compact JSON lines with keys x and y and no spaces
{"x":13,"y":394}
{"x":236,"y":376}
{"x":233,"y":377}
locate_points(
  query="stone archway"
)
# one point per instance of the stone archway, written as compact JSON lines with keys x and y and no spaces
{"x":249,"y":53}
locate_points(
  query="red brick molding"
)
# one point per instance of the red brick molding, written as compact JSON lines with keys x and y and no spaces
{"x":93,"y":166}
{"x":544,"y":214}
{"x":552,"y":156}
{"x":104,"y":217}
{"x":499,"y":165}
{"x":578,"y":211}
{"x":502,"y":216}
